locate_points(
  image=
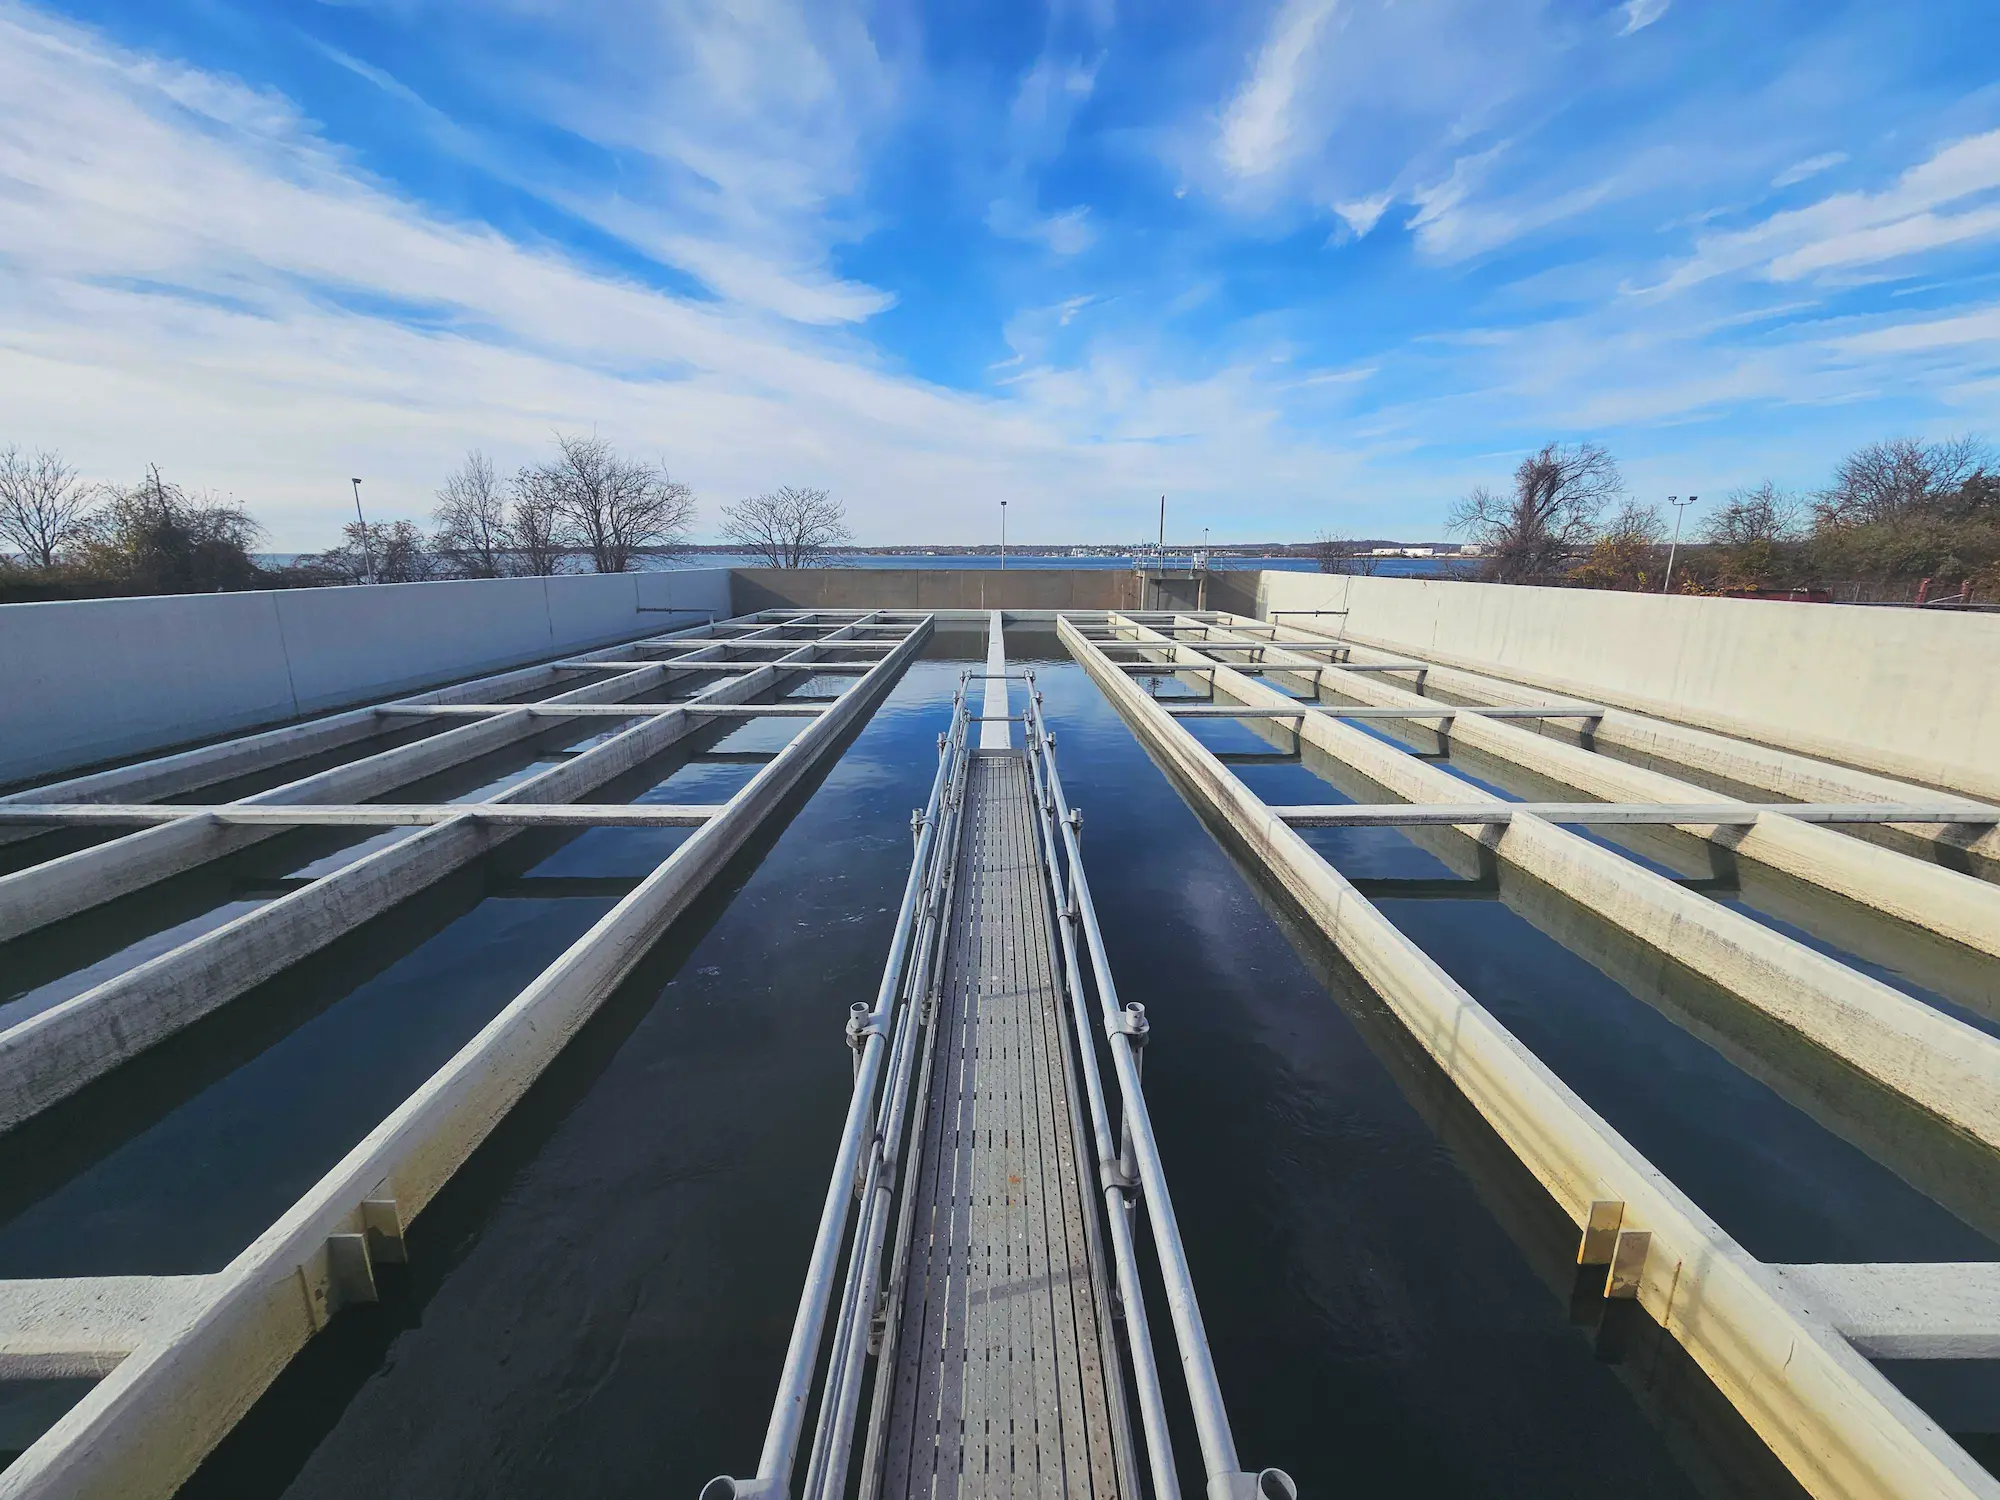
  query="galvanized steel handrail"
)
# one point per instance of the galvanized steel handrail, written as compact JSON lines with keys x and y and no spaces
{"x":1136,"y":1171}
{"x":883,"y":1036}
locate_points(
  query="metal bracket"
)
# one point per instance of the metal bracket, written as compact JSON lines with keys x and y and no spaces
{"x":1628,"y":1264}
{"x":349,"y":1274}
{"x":1130,"y":1023}
{"x":1076,"y":820}
{"x":1600,"y":1232}
{"x":722,"y":1487}
{"x":878,"y":1323}
{"x":382,"y":1227}
{"x":1264,"y":1484}
{"x":861,"y":1024}
{"x":1115,"y":1174}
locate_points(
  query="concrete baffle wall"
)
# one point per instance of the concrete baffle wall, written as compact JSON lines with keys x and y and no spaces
{"x":1912,"y":693}
{"x":89,"y":680}
{"x":934,"y":588}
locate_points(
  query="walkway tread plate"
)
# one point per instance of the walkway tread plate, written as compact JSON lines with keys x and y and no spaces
{"x":1000,"y":1377}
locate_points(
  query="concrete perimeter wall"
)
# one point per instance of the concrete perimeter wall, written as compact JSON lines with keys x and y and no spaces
{"x":934,"y":588}
{"x":90,"y":680}
{"x":1912,"y":693}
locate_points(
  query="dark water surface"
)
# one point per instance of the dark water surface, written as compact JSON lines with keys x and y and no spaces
{"x":599,"y":1302}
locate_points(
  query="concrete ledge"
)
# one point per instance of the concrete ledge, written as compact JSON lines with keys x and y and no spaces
{"x":67,"y":1327}
{"x":1906,"y":1311}
{"x":88,"y":680}
{"x":1902,"y":691}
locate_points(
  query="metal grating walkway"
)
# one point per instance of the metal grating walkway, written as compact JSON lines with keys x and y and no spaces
{"x":1001,"y":1383}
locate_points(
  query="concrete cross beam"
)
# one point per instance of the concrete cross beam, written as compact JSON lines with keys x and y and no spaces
{"x":1943,"y":1310}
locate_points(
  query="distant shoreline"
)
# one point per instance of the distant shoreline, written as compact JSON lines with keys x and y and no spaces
{"x":712,"y":557}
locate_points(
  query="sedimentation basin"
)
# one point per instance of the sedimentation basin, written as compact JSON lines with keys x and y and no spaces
{"x":1569,"y":1067}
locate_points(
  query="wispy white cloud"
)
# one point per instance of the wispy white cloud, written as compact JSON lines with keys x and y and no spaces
{"x":1363,"y":214}
{"x":1980,"y":326}
{"x":1639,"y":14}
{"x":1812,"y":166}
{"x":1259,"y":129}
{"x":1856,"y":229}
{"x":1044,"y":106}
{"x":190,"y":255}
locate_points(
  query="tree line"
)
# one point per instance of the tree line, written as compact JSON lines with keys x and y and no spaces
{"x":584,"y":508}
{"x":1898,"y":519}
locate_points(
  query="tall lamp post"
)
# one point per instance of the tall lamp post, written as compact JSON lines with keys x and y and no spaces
{"x":1003,"y":536}
{"x":1680,"y":509}
{"x":367,"y":553}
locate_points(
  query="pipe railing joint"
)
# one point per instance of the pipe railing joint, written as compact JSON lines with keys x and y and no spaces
{"x":1130,"y":1023}
{"x":862,"y":1023}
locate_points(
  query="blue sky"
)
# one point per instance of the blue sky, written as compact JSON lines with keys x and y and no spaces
{"x":1319,"y":265}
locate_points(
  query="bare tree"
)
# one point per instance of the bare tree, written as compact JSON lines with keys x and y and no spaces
{"x":471,"y":518}
{"x":1339,"y":554}
{"x":45,"y":509}
{"x":1530,"y":535}
{"x":1892,"y":478}
{"x":1763,"y":515}
{"x":537,"y":529}
{"x":612,"y":506}
{"x":790,"y":527}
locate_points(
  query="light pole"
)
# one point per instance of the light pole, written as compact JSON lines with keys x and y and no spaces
{"x":1003,"y":536}
{"x":1680,"y":509}
{"x":367,"y":554}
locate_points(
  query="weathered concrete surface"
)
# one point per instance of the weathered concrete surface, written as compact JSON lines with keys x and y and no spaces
{"x":1948,"y":1310}
{"x":83,"y":1326}
{"x":87,"y":680}
{"x":1829,"y":1415}
{"x":1902,"y":691}
{"x":756,"y":589}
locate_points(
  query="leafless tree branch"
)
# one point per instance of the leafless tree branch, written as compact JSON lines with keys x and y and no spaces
{"x":45,"y":509}
{"x":471,"y":518}
{"x":790,"y":527}
{"x":1530,"y":535}
{"x":609,"y":506}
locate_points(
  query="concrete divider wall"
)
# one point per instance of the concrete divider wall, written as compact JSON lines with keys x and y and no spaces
{"x":88,"y":680}
{"x":1915,"y":694}
{"x":934,"y":588}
